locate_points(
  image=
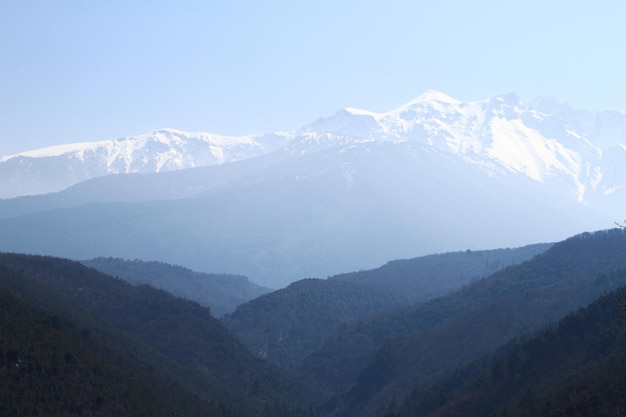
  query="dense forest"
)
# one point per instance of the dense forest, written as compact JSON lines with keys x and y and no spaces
{"x":287,"y":325}
{"x":177,"y":338}
{"x":574,"y":367}
{"x":426,"y":277}
{"x":52,"y":366}
{"x":536,"y":333}
{"x":365,"y":363}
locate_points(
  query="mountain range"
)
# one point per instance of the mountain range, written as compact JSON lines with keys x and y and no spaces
{"x":542,"y":140}
{"x":58,"y":167}
{"x":344,"y":193}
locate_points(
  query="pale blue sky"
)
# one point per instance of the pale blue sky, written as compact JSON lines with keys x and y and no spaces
{"x":92,"y":70}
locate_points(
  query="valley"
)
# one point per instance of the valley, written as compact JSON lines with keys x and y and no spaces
{"x":352,"y":345}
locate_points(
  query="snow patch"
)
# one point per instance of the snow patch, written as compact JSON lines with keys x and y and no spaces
{"x":525,"y":150}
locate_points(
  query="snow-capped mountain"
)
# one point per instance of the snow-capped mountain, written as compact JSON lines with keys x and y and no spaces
{"x":545,"y":140}
{"x":55,"y":168}
{"x":350,"y":191}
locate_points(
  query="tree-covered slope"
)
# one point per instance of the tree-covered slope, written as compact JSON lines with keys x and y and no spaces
{"x":204,"y":358}
{"x":575,"y":367}
{"x":222,"y":293}
{"x":49,"y":365}
{"x":286,"y":325}
{"x":426,"y":277}
{"x":374,"y":359}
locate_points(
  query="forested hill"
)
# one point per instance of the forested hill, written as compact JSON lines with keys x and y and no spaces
{"x":288,"y":324}
{"x":365,"y":363}
{"x":422,"y":278}
{"x":54,"y":366}
{"x":576,"y":367}
{"x":204,"y":359}
{"x":469,"y":353}
{"x":222,"y":293}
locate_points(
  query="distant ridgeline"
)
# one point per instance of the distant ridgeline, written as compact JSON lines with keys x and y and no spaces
{"x":222,"y":293}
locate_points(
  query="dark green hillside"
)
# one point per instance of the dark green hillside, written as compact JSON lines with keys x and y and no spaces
{"x":432,"y":338}
{"x":50,"y":366}
{"x":222,"y":293}
{"x":599,"y":394}
{"x":212,"y":363}
{"x":576,"y":367}
{"x":288,"y":324}
{"x":431,"y":276}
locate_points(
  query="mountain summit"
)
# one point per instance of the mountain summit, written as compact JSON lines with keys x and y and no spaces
{"x":501,"y":134}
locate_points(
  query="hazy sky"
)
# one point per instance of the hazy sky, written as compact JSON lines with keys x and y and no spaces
{"x":88,"y":70}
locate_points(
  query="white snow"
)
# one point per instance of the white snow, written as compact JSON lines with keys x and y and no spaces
{"x":57,"y":150}
{"x":160,"y":150}
{"x":525,"y":150}
{"x":360,"y":112}
{"x":126,"y":147}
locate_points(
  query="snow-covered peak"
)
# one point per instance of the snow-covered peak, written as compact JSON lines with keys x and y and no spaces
{"x":354,"y":122}
{"x":431,"y":96}
{"x":507,"y":99}
{"x":50,"y":151}
{"x":542,"y":141}
{"x":170,"y":138}
{"x":348,"y":122}
{"x":57,"y":167}
{"x":360,"y":112}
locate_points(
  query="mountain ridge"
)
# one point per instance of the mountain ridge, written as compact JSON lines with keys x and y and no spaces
{"x":501,"y":134}
{"x":55,"y":168}
{"x":425,"y":338}
{"x":285,"y":325}
{"x":220,"y":293}
{"x":542,"y":140}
